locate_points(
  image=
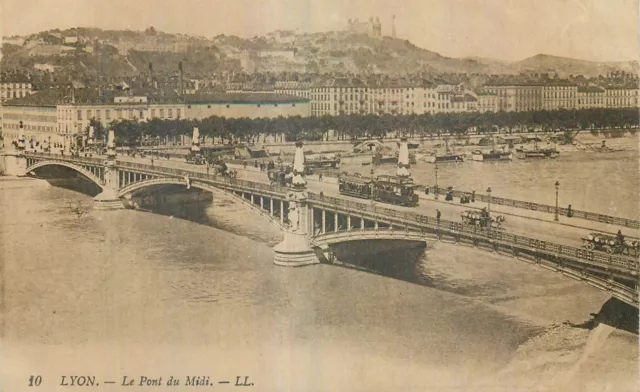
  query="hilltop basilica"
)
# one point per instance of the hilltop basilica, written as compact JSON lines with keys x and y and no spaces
{"x":372,"y":28}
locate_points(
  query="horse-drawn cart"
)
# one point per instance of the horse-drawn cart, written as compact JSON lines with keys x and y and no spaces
{"x":610,"y":244}
{"x":480,"y":219}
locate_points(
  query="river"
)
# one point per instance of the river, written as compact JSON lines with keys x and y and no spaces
{"x":135,"y":293}
{"x":605,"y":183}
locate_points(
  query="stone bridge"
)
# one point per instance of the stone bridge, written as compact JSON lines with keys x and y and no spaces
{"x":313,"y":224}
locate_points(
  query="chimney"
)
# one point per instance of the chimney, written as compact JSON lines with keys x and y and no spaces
{"x":180,"y":69}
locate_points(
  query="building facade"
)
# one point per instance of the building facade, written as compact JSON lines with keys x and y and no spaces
{"x":12,"y":89}
{"x":558,"y":95}
{"x":61,"y":118}
{"x":39,"y":122}
{"x":245,"y":106}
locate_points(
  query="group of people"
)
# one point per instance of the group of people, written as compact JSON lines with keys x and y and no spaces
{"x":261,"y":165}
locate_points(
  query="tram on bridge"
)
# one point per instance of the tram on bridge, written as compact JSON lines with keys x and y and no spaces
{"x":385,"y":188}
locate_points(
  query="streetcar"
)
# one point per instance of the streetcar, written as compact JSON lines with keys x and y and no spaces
{"x":355,"y":186}
{"x":385,"y":188}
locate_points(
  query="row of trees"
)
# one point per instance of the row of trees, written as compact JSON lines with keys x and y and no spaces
{"x":352,"y":127}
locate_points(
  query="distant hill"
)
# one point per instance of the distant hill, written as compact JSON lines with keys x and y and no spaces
{"x":84,"y":53}
{"x":545,"y":63}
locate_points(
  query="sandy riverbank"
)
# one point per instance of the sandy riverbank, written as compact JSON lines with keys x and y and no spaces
{"x":598,"y":355}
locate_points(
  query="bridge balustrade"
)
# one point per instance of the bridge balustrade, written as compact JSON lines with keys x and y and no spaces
{"x":65,"y":158}
{"x":386,"y":213}
{"x":204,"y":176}
{"x":579,"y":214}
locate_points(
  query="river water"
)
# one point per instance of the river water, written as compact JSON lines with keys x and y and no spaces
{"x":605,"y":183}
{"x":136,"y":293}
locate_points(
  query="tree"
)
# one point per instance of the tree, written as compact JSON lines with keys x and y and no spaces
{"x":99,"y":132}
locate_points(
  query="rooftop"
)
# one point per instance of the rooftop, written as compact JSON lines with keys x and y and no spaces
{"x":90,"y":97}
{"x":243,"y":98}
{"x":590,"y":89}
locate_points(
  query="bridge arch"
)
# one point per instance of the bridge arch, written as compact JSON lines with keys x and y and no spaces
{"x":139,"y":185}
{"x":78,"y":169}
{"x":131,"y":188}
{"x":343,"y":236}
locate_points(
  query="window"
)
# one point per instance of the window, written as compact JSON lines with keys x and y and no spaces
{"x":161,"y":113}
{"x":98,"y":114}
{"x":141,"y":114}
{"x":177,"y":113}
{"x":153,"y":113}
{"x":88,"y":114}
{"x":79,"y":114}
{"x":107,"y":114}
{"x":170,"y":113}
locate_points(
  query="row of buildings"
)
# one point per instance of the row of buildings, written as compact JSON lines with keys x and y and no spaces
{"x":352,"y":95}
{"x":64,"y":111}
{"x":59,"y":115}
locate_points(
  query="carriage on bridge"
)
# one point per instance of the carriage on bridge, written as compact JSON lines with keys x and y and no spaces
{"x":482,"y":219}
{"x":280,"y":177}
{"x":611,"y":244}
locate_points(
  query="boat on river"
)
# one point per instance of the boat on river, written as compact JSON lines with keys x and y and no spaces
{"x":493,"y":155}
{"x":537,"y":153}
{"x":448,"y":156}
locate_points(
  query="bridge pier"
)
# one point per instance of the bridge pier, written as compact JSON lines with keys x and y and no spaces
{"x":14,"y":163}
{"x":108,"y":199}
{"x":295,"y":249}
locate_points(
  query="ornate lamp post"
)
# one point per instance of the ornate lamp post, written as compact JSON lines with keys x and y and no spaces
{"x":557,"y":188}
{"x":371,"y":186}
{"x":489,"y":204}
{"x":436,"y":190}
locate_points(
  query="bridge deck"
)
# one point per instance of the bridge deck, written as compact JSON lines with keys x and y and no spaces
{"x":557,"y":244}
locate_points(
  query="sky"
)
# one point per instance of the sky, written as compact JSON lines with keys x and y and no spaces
{"x":600,"y":30}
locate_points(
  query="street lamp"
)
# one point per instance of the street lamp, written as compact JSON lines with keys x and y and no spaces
{"x":557,"y":188}
{"x":489,"y":209}
{"x":436,"y":190}
{"x":372,"y":186}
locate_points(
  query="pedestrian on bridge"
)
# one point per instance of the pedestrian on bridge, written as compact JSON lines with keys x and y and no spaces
{"x":438,"y":215}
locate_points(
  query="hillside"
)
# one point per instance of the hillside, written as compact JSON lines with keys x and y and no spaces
{"x":83,"y":53}
{"x":567,"y":66}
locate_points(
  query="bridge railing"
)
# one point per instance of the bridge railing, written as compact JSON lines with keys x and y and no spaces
{"x":406,"y":217}
{"x":66,"y":158}
{"x":369,"y":232}
{"x":248,"y":185}
{"x":525,"y":205}
{"x":579,"y":214}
